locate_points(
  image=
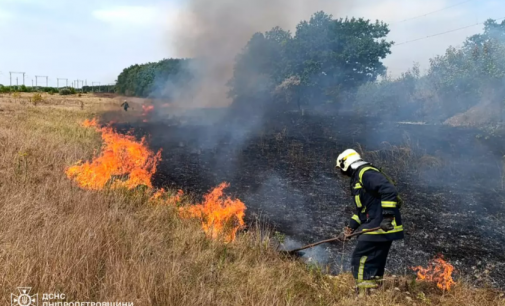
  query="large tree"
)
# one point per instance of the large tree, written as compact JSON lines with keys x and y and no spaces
{"x":260,"y":66}
{"x":326,"y":57}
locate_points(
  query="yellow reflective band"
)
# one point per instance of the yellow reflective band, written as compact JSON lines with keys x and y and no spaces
{"x":358,"y":201}
{"x":357,"y":186}
{"x":367,"y":284}
{"x":348,"y":155}
{"x":363,"y":172}
{"x":388,"y":204}
{"x":361,"y":268}
{"x":381,"y":232}
{"x":356,"y":218}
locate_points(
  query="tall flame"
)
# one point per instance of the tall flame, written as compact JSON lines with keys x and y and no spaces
{"x":122,"y":157}
{"x":134,"y":164}
{"x":220,"y":215}
{"x":438,"y":271}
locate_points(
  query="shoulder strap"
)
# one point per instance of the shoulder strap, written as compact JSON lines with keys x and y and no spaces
{"x":362,"y":171}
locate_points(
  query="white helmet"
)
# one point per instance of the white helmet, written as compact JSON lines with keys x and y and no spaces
{"x":346,"y":158}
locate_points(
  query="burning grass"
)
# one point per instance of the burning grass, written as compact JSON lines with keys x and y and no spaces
{"x":146,"y":110}
{"x":439,"y":271}
{"x":122,"y":157}
{"x":112,"y":245}
{"x":218,"y":214}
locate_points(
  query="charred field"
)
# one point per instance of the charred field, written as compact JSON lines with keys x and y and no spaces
{"x":282,"y":167}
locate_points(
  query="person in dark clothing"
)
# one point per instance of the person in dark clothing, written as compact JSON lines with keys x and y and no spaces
{"x":377,"y":205}
{"x":125,"y":105}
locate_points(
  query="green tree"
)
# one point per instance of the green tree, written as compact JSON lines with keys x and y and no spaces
{"x":325,"y":59}
{"x":259,"y":67}
{"x":474,"y":73}
{"x":153,"y":78}
{"x":334,"y":56}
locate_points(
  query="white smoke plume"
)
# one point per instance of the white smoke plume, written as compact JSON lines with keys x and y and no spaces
{"x":215,"y":31}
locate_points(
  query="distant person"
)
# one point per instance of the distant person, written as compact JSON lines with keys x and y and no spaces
{"x":377,"y":205}
{"x":125,"y":105}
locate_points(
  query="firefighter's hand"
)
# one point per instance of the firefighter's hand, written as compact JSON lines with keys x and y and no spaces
{"x":387,"y":223}
{"x":343,"y":236}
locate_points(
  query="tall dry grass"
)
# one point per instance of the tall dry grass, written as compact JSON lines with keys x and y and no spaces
{"x":115,"y":246}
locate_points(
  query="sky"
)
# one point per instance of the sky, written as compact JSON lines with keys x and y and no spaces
{"x":95,"y":40}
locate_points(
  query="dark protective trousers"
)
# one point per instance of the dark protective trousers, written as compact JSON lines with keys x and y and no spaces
{"x":368,"y":262}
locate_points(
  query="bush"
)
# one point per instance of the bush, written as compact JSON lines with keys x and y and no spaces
{"x":36,"y":98}
{"x":65,"y":91}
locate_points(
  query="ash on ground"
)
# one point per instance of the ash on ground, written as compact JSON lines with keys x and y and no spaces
{"x":452,"y":181}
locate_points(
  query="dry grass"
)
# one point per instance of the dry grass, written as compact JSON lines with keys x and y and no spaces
{"x":407,"y":158}
{"x":114,"y":246}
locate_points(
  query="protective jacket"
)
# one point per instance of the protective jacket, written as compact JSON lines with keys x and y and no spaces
{"x":372,"y":194}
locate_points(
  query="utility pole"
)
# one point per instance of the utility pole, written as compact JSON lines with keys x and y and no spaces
{"x":13,"y":72}
{"x":58,"y":82}
{"x":93,"y":84}
{"x":82,"y":84}
{"x":40,"y":76}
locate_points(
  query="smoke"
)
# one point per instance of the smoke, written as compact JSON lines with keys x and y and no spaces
{"x":280,"y":164}
{"x":215,"y":31}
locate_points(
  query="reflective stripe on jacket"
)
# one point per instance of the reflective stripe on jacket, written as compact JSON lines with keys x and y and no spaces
{"x":372,"y":193}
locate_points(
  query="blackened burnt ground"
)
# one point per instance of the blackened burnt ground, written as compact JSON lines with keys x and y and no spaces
{"x":283,"y":169}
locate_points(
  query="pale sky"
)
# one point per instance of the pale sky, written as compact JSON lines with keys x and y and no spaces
{"x":94,"y":40}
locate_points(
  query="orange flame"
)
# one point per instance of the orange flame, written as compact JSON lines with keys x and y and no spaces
{"x":146,"y":110}
{"x":220,"y":216}
{"x":122,"y":157}
{"x":438,"y":271}
{"x":90,"y":123}
{"x":130,"y":160}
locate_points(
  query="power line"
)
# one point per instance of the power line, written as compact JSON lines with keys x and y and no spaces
{"x":441,"y":33}
{"x":432,"y":12}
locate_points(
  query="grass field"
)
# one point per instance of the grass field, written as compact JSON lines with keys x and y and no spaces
{"x":111,"y":246}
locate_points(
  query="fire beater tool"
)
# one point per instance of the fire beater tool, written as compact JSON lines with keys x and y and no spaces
{"x":330,"y":240}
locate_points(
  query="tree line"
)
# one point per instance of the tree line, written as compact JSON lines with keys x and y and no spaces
{"x":53,"y":90}
{"x":463,"y":77}
{"x":330,"y":62}
{"x":152,"y":78}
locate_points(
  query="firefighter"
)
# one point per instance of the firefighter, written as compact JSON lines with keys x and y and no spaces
{"x":377,"y":205}
{"x":125,"y":105}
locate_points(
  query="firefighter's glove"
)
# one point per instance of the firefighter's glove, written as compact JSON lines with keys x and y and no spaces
{"x":387,"y":223}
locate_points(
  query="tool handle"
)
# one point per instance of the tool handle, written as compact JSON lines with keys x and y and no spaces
{"x":333,"y":239}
